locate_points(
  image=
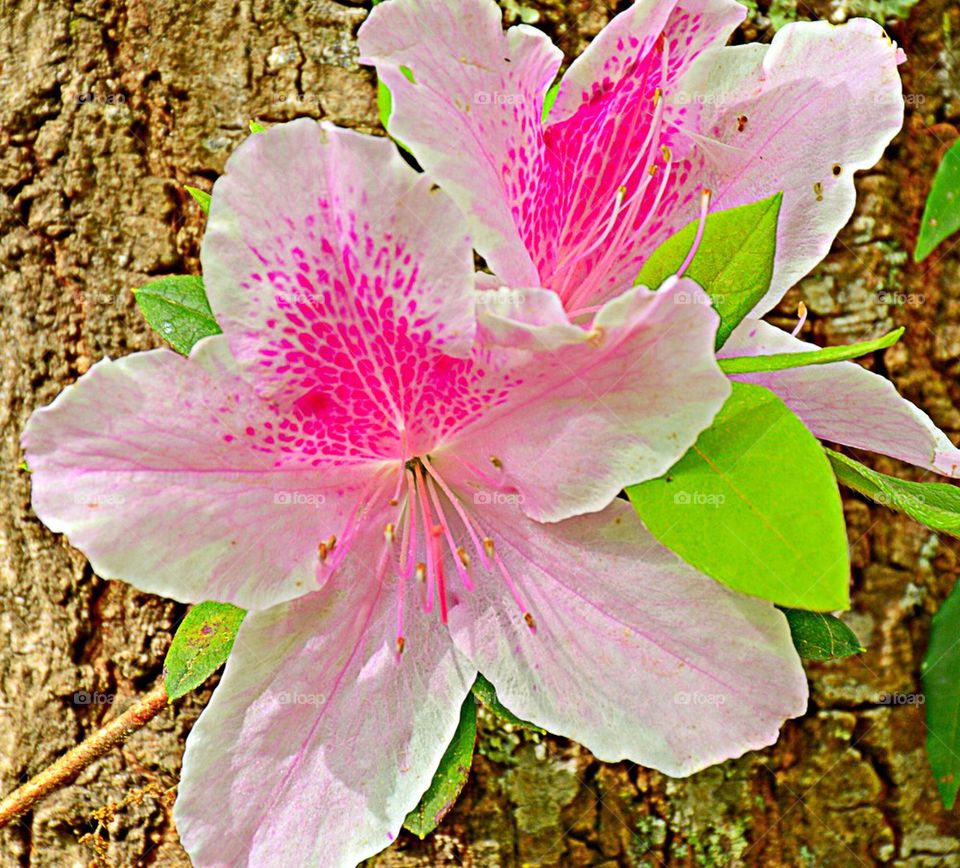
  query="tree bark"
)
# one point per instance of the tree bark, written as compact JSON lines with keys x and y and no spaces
{"x":106,"y":109}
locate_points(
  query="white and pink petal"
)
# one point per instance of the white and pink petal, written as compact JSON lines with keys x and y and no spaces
{"x":845,"y":403}
{"x":641,"y":382}
{"x":336,"y":273}
{"x":170,"y":474}
{"x":800,"y":116}
{"x":471,"y":113}
{"x":318,"y":740}
{"x":635,"y":655}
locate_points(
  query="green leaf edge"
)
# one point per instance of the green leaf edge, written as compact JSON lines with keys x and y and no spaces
{"x":796,"y":618}
{"x":416,"y":821}
{"x":179,"y":681}
{"x":823,"y":356}
{"x":484,"y":691}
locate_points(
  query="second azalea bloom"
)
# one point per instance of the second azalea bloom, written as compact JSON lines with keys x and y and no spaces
{"x":399,"y":479}
{"x":655,"y":111}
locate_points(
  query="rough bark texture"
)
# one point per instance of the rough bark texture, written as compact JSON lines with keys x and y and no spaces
{"x":106,"y":108}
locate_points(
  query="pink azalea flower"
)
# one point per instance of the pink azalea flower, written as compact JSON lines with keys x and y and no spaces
{"x":363,"y":460}
{"x":656,"y":110}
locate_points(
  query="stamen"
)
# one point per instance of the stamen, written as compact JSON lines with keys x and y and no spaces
{"x":409,"y":531}
{"x":400,"y":643}
{"x":474,"y":537}
{"x":428,"y":543}
{"x":704,"y":208}
{"x":802,"y":313}
{"x":389,"y":533}
{"x":488,"y":547}
{"x":628,"y":213}
{"x":462,"y":561}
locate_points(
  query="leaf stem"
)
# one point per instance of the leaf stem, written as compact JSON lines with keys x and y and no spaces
{"x":66,"y":769}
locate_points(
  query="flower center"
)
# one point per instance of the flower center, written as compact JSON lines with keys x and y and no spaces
{"x":432,"y":529}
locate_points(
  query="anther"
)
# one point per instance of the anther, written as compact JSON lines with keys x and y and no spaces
{"x":464,"y":557}
{"x":597,"y":336}
{"x":331,"y":542}
{"x":530,"y":622}
{"x":488,"y":546}
{"x":421,"y":572}
{"x":389,"y":532}
{"x":322,"y":551}
{"x":667,"y":155}
{"x":802,"y":318}
{"x":393,"y":502}
{"x":496,"y":462}
{"x":657,"y":96}
{"x":401,"y":642}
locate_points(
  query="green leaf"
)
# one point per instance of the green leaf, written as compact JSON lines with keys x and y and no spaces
{"x":257,"y":127}
{"x":824,"y":356}
{"x":755,"y":505}
{"x":201,"y":646}
{"x":941,"y":214}
{"x":733,"y":264}
{"x":935,"y":504}
{"x":177,"y":307}
{"x":451,"y":775}
{"x":941,"y":688}
{"x":385,"y":104}
{"x":487,"y":694}
{"x":817,"y":636}
{"x":549,"y":99}
{"x":202,"y":197}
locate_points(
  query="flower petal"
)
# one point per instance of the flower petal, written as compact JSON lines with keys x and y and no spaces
{"x":635,"y":655}
{"x":318,"y":741}
{"x":845,"y":403}
{"x":333,"y":269}
{"x":609,"y":68}
{"x":169,"y":473}
{"x":472,"y":112}
{"x":800,"y":116}
{"x":643,"y":382}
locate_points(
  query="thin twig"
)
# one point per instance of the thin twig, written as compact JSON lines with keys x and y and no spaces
{"x":66,"y":769}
